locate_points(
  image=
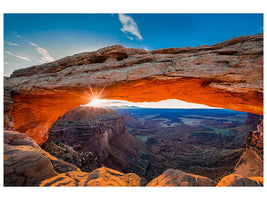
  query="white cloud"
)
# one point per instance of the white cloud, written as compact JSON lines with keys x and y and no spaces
{"x":146,"y":49}
{"x":33,"y":44}
{"x":11,"y":43}
{"x":45,"y":55}
{"x":129,"y":25}
{"x":131,"y":38}
{"x":18,"y":56}
{"x":17,"y":35}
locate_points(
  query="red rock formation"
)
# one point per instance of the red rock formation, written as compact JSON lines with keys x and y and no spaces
{"x":99,"y":177}
{"x":26,"y":164}
{"x":254,"y":140}
{"x":8,"y":102}
{"x":228,"y":75}
{"x":249,"y":164}
{"x":238,"y":180}
{"x":249,"y":169}
{"x":172,"y":177}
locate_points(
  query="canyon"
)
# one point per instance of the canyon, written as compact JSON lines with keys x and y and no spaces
{"x":227,"y":75}
{"x":100,"y":133}
{"x":26,"y":164}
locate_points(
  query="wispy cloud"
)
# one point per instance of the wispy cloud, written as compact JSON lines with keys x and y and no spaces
{"x":45,"y":55}
{"x":18,"y":56}
{"x":17,"y":35}
{"x":12,"y":44}
{"x":131,"y":38}
{"x":129,"y":25}
{"x":146,"y":49}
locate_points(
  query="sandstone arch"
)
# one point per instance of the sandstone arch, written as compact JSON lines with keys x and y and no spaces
{"x":227,"y":75}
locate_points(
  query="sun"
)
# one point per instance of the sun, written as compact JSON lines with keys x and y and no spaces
{"x":94,"y":97}
{"x":95,"y":102}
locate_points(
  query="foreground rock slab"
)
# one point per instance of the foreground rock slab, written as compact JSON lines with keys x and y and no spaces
{"x":26,"y":164}
{"x":99,"y":177}
{"x":238,"y":180}
{"x":174,"y":177}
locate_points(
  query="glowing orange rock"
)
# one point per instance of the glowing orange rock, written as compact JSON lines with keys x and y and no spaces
{"x":99,"y":177}
{"x":238,"y":180}
{"x":174,"y":177}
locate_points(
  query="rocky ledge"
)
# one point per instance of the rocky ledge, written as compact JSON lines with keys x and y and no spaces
{"x":172,"y":177}
{"x":99,"y":177}
{"x":26,"y":164}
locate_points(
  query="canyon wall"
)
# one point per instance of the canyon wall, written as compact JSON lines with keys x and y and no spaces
{"x":227,"y":75}
{"x":91,"y":137}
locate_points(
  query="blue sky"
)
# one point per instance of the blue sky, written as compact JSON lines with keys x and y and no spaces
{"x":31,"y":39}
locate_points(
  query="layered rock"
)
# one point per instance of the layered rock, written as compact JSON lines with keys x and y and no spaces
{"x":251,"y":161}
{"x":175,"y":177}
{"x":99,"y":134}
{"x":86,"y":161}
{"x":23,"y":164}
{"x":254,"y":140}
{"x":238,"y":180}
{"x":8,"y":102}
{"x":228,"y":75}
{"x":99,"y":177}
{"x":253,"y":120}
{"x":26,"y":164}
{"x":249,"y":169}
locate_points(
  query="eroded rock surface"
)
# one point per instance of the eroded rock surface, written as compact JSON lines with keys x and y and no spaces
{"x":26,"y":164}
{"x":249,"y":169}
{"x":175,"y":177}
{"x":99,"y":177}
{"x":8,"y":102}
{"x":228,"y":75}
{"x":238,"y":180}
